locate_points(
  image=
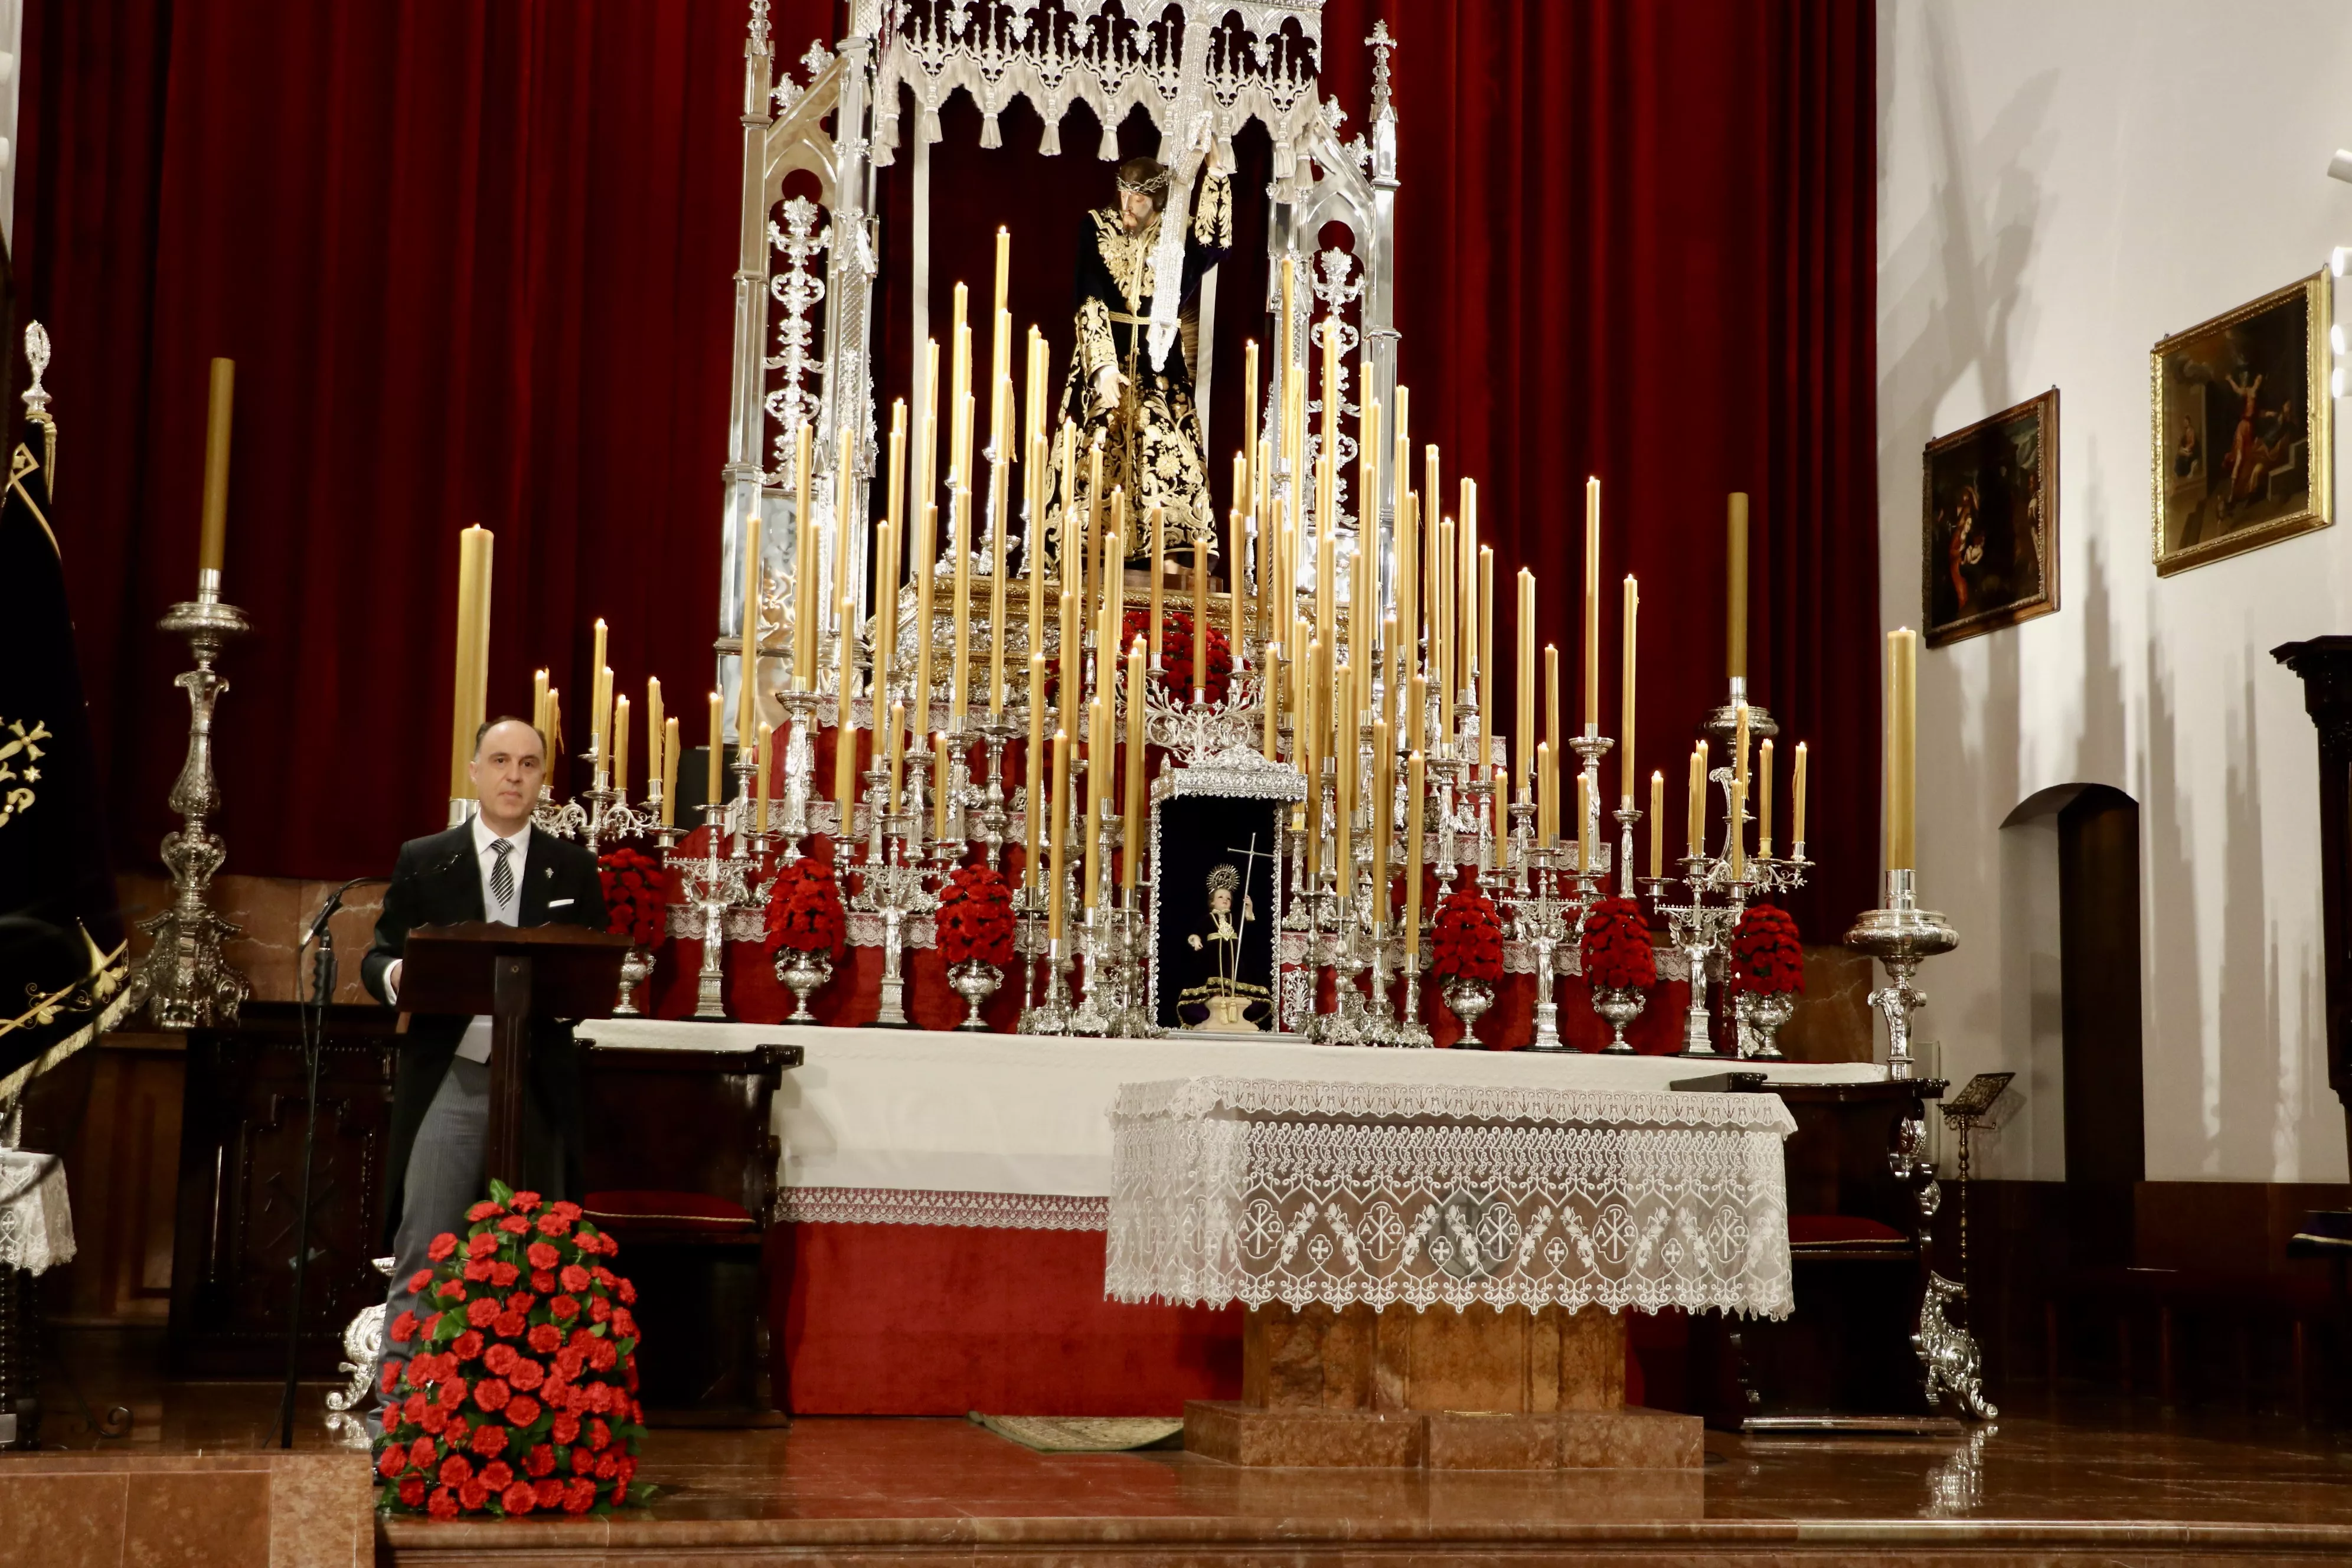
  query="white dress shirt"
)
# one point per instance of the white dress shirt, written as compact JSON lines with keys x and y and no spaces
{"x":475,"y":1044}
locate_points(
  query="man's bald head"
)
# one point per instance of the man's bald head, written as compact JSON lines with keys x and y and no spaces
{"x":510,"y":765}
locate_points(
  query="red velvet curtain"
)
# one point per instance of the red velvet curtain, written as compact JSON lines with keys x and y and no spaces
{"x":474,"y":261}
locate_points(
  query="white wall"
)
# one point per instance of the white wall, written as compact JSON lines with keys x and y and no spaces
{"x":2061,"y":183}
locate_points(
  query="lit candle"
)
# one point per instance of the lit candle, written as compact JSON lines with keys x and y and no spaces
{"x":767,"y":739}
{"x":655,"y":768}
{"x":1523,"y":733}
{"x":1797,"y":805}
{"x":711,"y":792}
{"x":603,"y":714}
{"x":1902,"y":739}
{"x":1413,"y":768}
{"x":1593,"y":606}
{"x":1697,"y":800}
{"x":1735,"y":636}
{"x":844,"y":731}
{"x":1487,"y":657}
{"x":671,"y":750}
{"x":1657,"y":823}
{"x":1057,"y":814}
{"x":1764,"y":799}
{"x":1032,"y":763}
{"x":1544,"y":819}
{"x":212,"y":542}
{"x":596,"y":697}
{"x":538,"y":712}
{"x":554,"y":733}
{"x":1625,"y":699}
{"x":621,"y":748}
{"x":1132,"y":854}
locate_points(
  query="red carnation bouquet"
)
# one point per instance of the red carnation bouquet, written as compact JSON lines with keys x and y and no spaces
{"x":1766,"y":957}
{"x":1176,"y":653}
{"x":636,"y":896}
{"x":975,"y":918}
{"x":805,"y":909}
{"x":1616,"y":949}
{"x":1468,"y":937}
{"x":521,"y":1378}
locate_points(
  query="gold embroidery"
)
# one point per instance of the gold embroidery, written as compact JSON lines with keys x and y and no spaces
{"x":1097,"y":350}
{"x":20,"y":464}
{"x":1126,"y":255}
{"x":16,"y":784}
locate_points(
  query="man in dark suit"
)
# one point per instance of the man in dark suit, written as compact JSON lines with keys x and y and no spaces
{"x":494,"y":867}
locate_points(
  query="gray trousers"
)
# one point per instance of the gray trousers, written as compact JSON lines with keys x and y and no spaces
{"x":444,"y":1179}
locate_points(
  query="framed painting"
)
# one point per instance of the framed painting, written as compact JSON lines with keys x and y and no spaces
{"x":1989,"y":516}
{"x":2243,"y":428}
{"x":1216,"y":903}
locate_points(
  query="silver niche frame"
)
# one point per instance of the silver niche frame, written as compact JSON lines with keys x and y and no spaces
{"x":1230,"y":774}
{"x":804,"y":329}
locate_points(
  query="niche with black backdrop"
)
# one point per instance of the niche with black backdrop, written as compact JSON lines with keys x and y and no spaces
{"x":1214,"y":906}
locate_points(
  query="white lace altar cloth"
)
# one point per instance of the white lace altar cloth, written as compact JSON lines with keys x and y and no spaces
{"x":36,"y":1221}
{"x":918,"y":1127}
{"x":1258,"y":1189}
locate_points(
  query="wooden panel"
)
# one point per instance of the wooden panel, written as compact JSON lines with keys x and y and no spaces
{"x":240,"y":1174}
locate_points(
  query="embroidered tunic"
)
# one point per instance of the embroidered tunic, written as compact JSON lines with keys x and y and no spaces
{"x":1151,"y":436}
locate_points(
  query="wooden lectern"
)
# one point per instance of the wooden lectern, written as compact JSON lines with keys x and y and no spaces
{"x":514,"y":974}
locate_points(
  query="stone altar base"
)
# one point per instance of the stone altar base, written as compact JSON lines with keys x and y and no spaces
{"x":1474,"y":1390}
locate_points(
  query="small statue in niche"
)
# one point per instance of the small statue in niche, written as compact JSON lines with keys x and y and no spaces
{"x":1219,"y":991}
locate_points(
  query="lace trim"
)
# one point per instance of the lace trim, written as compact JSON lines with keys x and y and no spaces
{"x":36,"y":1220}
{"x":1204,"y":1097}
{"x":907,"y":1205}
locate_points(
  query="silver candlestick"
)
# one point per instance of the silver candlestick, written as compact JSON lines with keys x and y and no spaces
{"x":184,"y":983}
{"x":713,"y":884}
{"x":1900,"y":935}
{"x":994,"y":813}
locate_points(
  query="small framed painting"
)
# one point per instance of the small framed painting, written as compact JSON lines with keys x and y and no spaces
{"x":2243,"y":428}
{"x":1988,"y":514}
{"x":1216,"y":903}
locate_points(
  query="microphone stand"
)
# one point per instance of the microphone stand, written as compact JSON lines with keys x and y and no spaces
{"x":313,"y":1021}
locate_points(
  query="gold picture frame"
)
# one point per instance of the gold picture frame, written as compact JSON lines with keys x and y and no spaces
{"x":1988,"y":522}
{"x":2242,"y":432}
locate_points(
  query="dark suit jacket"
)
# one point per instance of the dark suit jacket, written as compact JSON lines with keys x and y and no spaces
{"x":439,"y":882}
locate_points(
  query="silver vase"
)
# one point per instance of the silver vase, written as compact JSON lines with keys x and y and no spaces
{"x":976,"y":981}
{"x":635,"y":969}
{"x":1761,"y":1013}
{"x":804,"y":973}
{"x":1618,"y":1006}
{"x":1469,"y":999}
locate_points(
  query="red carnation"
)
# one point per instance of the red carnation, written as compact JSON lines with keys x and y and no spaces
{"x":541,"y":1255}
{"x":584,"y":1463}
{"x":539,"y":1461}
{"x":491,"y":1394}
{"x":420,"y":1454}
{"x":523,"y":1202}
{"x":566,"y":1207}
{"x":433,"y":1419}
{"x":500,"y":1359}
{"x":412,"y":1491}
{"x":543,"y":1281}
{"x":477,"y":1270}
{"x":450,"y":1291}
{"x":467,"y":1345}
{"x":413,"y":1408}
{"x":563,"y":1308}
{"x":392,"y":1461}
{"x":489,"y":1439}
{"x":473,"y":1497}
{"x":451,"y":1394}
{"x":503,"y":1275}
{"x":481,"y":1244}
{"x":1468,"y":937}
{"x":520,"y":1499}
{"x":627,"y":1293}
{"x":553,"y":1224}
{"x":443,"y":1504}
{"x":403,"y":1329}
{"x":498,"y":1475}
{"x":549,"y":1492}
{"x":578,"y":1495}
{"x":600,"y":1435}
{"x":487,"y":1208}
{"x":481,"y":1311}
{"x":574,"y":1278}
{"x":509,"y":1325}
{"x":545,"y":1338}
{"x":522,"y":1410}
{"x":602,"y":1355}
{"x":1766,"y":956}
{"x":975,"y":916}
{"x":457,"y":1470}
{"x":1615,"y":947}
{"x":566,"y":1429}
{"x":526,"y":1374}
{"x":515,"y":1224}
{"x":421,"y":1279}
{"x":520,"y":1301}
{"x":442,"y":1246}
{"x":599,"y":1308}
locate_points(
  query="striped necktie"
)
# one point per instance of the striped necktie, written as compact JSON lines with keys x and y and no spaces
{"x":502,"y":883}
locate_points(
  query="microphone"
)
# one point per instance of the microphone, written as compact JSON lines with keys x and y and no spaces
{"x":326,"y":911}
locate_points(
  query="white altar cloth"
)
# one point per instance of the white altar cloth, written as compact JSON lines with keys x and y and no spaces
{"x":1258,"y":1189}
{"x":914,"y":1127}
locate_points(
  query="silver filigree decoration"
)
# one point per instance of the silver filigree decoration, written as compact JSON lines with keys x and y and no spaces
{"x":36,"y":355}
{"x":798,"y":286}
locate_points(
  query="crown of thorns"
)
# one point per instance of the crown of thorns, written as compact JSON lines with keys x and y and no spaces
{"x":1223,"y":879}
{"x":1150,"y":185}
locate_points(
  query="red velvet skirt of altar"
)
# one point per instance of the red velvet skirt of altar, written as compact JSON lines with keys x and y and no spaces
{"x":928,"y":1319}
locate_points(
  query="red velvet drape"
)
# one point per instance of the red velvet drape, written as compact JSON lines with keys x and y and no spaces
{"x":474,"y":261}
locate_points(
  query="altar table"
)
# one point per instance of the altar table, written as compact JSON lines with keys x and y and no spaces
{"x":950,"y":1194}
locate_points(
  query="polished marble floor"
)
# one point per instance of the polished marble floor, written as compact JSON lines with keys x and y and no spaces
{"x":2079,"y":1481}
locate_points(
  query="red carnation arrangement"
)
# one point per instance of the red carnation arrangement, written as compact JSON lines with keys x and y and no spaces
{"x":975,"y":918}
{"x":1616,"y":949}
{"x":1176,"y":653}
{"x":1468,"y":937}
{"x":636,"y":896}
{"x":805,"y":909}
{"x":521,"y":1380}
{"x":1765,"y":955}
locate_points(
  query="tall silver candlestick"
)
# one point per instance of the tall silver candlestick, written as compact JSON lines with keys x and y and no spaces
{"x":1900,"y":935}
{"x":184,"y":982}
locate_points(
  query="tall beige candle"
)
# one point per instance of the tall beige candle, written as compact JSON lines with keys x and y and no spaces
{"x":1736,"y":634}
{"x":1584,"y":822}
{"x":1657,"y":823}
{"x":671,"y":751}
{"x":1131,"y":855}
{"x":596,"y":694}
{"x":1764,"y":799}
{"x":1309,"y":745}
{"x":1384,"y":803}
{"x":1625,"y":698}
{"x":1593,"y":606}
{"x":1057,"y":816}
{"x":1467,"y":657}
{"x":1245,"y":494}
{"x":212,"y":539}
{"x":1200,"y":618}
{"x":468,"y":678}
{"x":804,"y":600}
{"x":1902,"y":754}
{"x":1442,"y":623}
{"x":1236,"y":575}
{"x":1413,"y":790}
{"x":1272,"y":702}
{"x":621,"y":747}
{"x":844,"y":733}
{"x":1797,"y":802}
{"x":919,"y":707}
{"x":959,"y":540}
{"x":1523,"y":731}
{"x":1697,"y":800}
{"x":1545,"y":810}
{"x":711,"y":793}
{"x":1098,"y":772}
{"x":1032,"y":766}
{"x":998,"y":628}
{"x":844,"y":465}
{"x":1487,"y":657}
